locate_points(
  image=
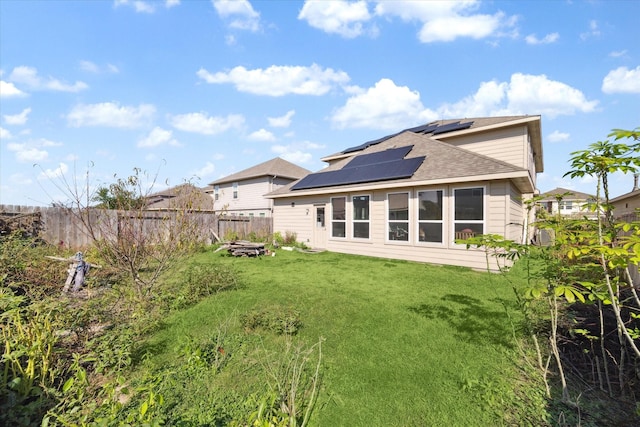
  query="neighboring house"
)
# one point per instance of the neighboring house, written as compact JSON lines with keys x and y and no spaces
{"x":242,"y":193}
{"x":185,"y":196}
{"x":567,"y":203}
{"x":410,"y":195}
{"x":627,"y":206}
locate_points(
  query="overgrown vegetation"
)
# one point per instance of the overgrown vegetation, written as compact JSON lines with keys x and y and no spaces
{"x":173,"y":333}
{"x":592,"y":332}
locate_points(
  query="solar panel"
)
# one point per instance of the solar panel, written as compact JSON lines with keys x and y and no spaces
{"x":451,"y":127}
{"x":379,"y":157}
{"x":367,"y":144}
{"x":395,"y":169}
{"x":423,"y":129}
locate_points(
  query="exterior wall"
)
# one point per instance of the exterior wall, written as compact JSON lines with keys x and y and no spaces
{"x":627,"y":206}
{"x":518,"y":221}
{"x":510,"y":145}
{"x":251,"y":200}
{"x":501,"y":212}
{"x":577,"y":208}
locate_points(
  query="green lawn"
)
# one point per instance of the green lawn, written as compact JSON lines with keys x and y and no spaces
{"x":404,"y":343}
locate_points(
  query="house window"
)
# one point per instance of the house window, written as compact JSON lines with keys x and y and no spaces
{"x":398,"y":216}
{"x":216,"y":192}
{"x":262,"y":214}
{"x":566,"y":205}
{"x":360,"y":217}
{"x":468,"y":220}
{"x":235,"y":190}
{"x":339,"y":217}
{"x":430,"y":224}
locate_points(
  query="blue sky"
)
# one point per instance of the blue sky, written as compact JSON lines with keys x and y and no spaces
{"x":194,"y":90}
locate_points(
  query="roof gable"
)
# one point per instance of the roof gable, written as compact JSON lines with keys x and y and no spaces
{"x":276,"y":167}
{"x":566,"y":194}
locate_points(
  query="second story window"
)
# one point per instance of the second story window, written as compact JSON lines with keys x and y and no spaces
{"x":216,"y":192}
{"x":235,"y":190}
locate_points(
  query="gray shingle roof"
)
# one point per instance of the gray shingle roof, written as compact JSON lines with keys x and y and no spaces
{"x":275,"y":167}
{"x":442,"y":161}
{"x":573,"y":195}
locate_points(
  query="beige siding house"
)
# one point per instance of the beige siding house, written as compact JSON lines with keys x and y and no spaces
{"x":412,"y":194}
{"x":627,"y":206}
{"x":242,"y":193}
{"x":568,"y":203}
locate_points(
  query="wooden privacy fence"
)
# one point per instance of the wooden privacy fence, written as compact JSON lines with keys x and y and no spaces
{"x":60,"y":226}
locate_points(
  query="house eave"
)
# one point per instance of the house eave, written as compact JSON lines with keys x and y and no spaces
{"x":521,"y":178}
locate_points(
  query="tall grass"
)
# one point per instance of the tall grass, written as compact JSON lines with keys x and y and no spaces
{"x":403,"y":343}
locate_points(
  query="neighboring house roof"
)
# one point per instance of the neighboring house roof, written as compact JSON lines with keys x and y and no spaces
{"x":275,"y":168}
{"x":438,"y":163}
{"x":567,"y":195}
{"x":443,"y":129}
{"x":184,"y":196}
{"x":630,"y":195}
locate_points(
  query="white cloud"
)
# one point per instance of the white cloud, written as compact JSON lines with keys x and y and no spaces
{"x":240,"y":14}
{"x":294,"y":156}
{"x":557,"y":136}
{"x":262,"y":135}
{"x":202,"y":123}
{"x":29,"y":77}
{"x":279,"y":80}
{"x":450,"y":28}
{"x":530,"y":94}
{"x":524,"y":94}
{"x":8,"y":90}
{"x":171,"y":3}
{"x":17,"y":119}
{"x":337,"y":17}
{"x":622,"y":80}
{"x":26,"y":153}
{"x":139,"y":6}
{"x":594,"y":30}
{"x":5,"y":134}
{"x":387,"y":106}
{"x":91,"y":67}
{"x":158,"y":136}
{"x":618,"y":53}
{"x":58,"y":172}
{"x":548,"y":39}
{"x":110,"y":114}
{"x":447,"y":20}
{"x":207,"y":170}
{"x":488,"y":100}
{"x":384,"y":106}
{"x":282,"y":121}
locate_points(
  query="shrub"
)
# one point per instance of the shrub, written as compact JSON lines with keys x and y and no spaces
{"x":277,"y":319}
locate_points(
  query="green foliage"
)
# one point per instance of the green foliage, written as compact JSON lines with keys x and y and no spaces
{"x":276,"y":319}
{"x":124,"y":194}
{"x":290,"y":238}
{"x":29,"y":367}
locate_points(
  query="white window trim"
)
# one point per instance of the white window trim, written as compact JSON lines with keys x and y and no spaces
{"x":409,"y":220}
{"x":354,"y":221}
{"x":331,"y":220}
{"x":452,"y":207}
{"x":235,"y":191}
{"x":443,"y":221}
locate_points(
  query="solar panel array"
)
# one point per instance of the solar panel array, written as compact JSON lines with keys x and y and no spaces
{"x":433,"y":129}
{"x":381,"y":166}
